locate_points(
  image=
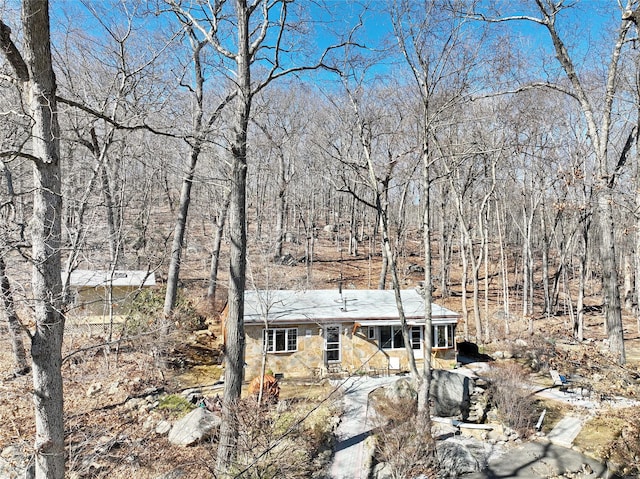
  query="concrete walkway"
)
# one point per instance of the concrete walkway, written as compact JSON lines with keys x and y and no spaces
{"x":539,"y":459}
{"x":352,"y":457}
{"x":565,"y":431}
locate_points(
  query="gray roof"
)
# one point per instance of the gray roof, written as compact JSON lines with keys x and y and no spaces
{"x":369,"y":307}
{"x":92,"y":278}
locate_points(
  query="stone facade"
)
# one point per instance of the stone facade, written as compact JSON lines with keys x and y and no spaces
{"x":357,"y":354}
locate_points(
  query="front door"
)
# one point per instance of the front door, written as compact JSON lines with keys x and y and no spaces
{"x":332,"y":344}
{"x":416,"y":342}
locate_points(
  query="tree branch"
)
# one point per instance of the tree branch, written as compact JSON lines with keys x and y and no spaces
{"x":530,"y":86}
{"x":12,"y":54}
{"x":113,"y":122}
{"x":15,"y":154}
{"x":624,"y":154}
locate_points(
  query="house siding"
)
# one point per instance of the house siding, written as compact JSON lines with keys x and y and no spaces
{"x":358,"y":353}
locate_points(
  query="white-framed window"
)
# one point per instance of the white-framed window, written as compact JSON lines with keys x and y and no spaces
{"x":281,"y":340}
{"x":332,"y":348}
{"x":371,"y":332}
{"x":391,"y":337}
{"x":443,"y":336}
{"x":416,"y":337}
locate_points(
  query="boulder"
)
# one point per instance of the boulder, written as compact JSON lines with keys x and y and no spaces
{"x":382,"y":470}
{"x":174,"y":474}
{"x":456,"y":459}
{"x":414,"y":268}
{"x":401,"y":389}
{"x":163,"y":427}
{"x":451,"y":393}
{"x":196,"y":426}
{"x":286,"y":260}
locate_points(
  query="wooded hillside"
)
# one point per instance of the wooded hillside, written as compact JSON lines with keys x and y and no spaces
{"x":490,"y":151}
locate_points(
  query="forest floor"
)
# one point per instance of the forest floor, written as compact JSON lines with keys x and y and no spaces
{"x":105,"y":440}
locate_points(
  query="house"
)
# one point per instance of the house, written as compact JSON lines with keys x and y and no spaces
{"x":310,"y":333}
{"x":100,"y":293}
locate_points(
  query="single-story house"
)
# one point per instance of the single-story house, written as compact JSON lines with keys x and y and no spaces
{"x":310,"y":333}
{"x":92,"y":292}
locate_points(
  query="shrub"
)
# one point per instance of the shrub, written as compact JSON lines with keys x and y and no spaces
{"x":285,"y":442}
{"x":146,"y":310}
{"x":405,"y":450}
{"x":512,"y":399}
{"x":625,"y":448}
{"x":142,"y":313}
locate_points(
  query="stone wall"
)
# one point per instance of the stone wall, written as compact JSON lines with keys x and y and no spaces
{"x":359,"y":354}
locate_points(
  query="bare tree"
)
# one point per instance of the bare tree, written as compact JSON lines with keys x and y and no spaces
{"x":282,"y":122}
{"x":246,"y":36}
{"x":196,"y":139}
{"x":220,"y":221}
{"x":12,"y":237}
{"x":16,"y":329}
{"x":599,"y":124}
{"x":33,"y":70}
{"x":380,"y":186}
{"x":434,"y":43}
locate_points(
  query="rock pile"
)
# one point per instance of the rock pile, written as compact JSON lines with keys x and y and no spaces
{"x":478,"y":402}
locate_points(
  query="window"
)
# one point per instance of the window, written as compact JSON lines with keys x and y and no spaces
{"x":391,"y":337}
{"x":332,"y":343}
{"x":281,"y":340}
{"x":443,"y":336}
{"x":416,"y":337}
{"x":371,"y":332}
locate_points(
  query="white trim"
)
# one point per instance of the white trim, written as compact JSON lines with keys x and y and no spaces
{"x":272,"y":332}
{"x":372,"y":333}
{"x":339,"y":343}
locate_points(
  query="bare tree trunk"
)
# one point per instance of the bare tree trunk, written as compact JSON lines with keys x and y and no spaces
{"x":16,"y":330}
{"x":35,"y":73}
{"x":485,"y":254}
{"x":629,"y":280}
{"x":353,"y":230}
{"x":613,"y":313}
{"x":525,"y":269}
{"x":380,"y":189}
{"x":180,"y":228}
{"x":600,"y":139}
{"x":578,"y":326}
{"x":110,"y":210}
{"x":475,"y":268}
{"x":445,"y":246}
{"x":504,"y":273}
{"x":396,"y":289}
{"x":637,"y":198}
{"x":382,"y":279}
{"x":463,"y":282}
{"x":584,"y":225}
{"x":280,"y":205}
{"x":187,"y":183}
{"x":215,"y":254}
{"x":234,"y":324}
{"x":424,"y":411}
{"x":568,"y":297}
{"x":545,"y":262}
